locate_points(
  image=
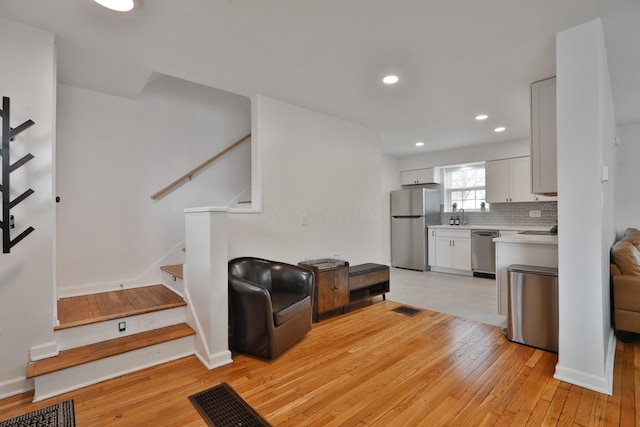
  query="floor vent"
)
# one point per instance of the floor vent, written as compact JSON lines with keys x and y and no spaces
{"x":403,"y":309}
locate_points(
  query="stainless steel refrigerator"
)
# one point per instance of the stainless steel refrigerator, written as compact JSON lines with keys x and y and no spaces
{"x":411,"y":212}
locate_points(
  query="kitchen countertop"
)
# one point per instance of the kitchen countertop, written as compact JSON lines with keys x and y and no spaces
{"x":536,"y":239}
{"x":494,"y":227}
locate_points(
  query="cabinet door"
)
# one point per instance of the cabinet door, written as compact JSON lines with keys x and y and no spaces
{"x":408,"y":177}
{"x":325,"y":285}
{"x":431,"y":246}
{"x":443,"y":252}
{"x":544,"y":170}
{"x":461,"y":254}
{"x":332,"y":289}
{"x":342,"y":287}
{"x":428,"y":176}
{"x":520,"y":179}
{"x":497,"y":181}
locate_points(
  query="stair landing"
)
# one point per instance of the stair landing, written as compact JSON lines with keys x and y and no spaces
{"x":87,"y":309}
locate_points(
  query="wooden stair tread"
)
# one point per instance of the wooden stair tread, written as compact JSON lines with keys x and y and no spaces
{"x":87,"y":309}
{"x":92,"y":352}
{"x":174,"y":270}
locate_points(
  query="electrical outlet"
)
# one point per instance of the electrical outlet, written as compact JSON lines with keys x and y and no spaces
{"x":122,"y":326}
{"x":535,"y":214}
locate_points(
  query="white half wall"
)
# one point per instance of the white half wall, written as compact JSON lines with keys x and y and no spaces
{"x":316,"y":170}
{"x":114,"y":153}
{"x":627,"y":178}
{"x":586,"y":131}
{"x":27,"y":296}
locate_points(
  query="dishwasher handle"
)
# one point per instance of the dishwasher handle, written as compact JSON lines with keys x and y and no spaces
{"x":485,"y":233}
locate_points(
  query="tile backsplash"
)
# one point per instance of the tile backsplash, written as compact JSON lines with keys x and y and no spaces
{"x":510,"y":214}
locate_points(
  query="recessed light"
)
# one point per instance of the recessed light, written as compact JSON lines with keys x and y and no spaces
{"x":390,"y":79}
{"x":419,"y":144}
{"x":500,"y":129}
{"x":482,"y":117}
{"x":117,"y":5}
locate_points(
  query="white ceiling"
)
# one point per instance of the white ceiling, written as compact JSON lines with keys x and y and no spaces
{"x":455,"y":58}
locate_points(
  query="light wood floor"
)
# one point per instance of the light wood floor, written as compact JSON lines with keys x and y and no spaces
{"x":371,"y":366}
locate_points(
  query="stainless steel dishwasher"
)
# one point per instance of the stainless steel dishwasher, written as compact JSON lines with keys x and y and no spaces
{"x":532,"y":317}
{"x":483,"y":253}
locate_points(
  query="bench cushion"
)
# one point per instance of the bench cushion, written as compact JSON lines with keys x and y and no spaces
{"x":366,"y":268}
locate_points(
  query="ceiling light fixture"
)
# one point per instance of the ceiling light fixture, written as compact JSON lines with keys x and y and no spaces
{"x":500,"y":129}
{"x":419,"y":144}
{"x":390,"y":79}
{"x":482,"y":117}
{"x":117,"y":5}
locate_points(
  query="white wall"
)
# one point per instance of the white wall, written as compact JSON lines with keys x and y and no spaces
{"x":586,"y":130}
{"x":26,"y":274}
{"x":499,"y":150}
{"x":114,"y":153}
{"x":317,"y":167}
{"x":627,"y":178}
{"x":390,"y":181}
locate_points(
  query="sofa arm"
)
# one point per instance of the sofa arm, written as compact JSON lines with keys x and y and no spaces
{"x":249,"y":304}
{"x":626,"y":292}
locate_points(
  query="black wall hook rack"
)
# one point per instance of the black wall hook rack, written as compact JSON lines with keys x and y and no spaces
{"x":8,"y":135}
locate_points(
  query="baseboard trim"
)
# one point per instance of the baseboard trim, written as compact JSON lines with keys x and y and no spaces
{"x":16,"y":386}
{"x":215,"y":360}
{"x":452,"y":271}
{"x":43,"y":351}
{"x":597,"y":383}
{"x":151,"y":276}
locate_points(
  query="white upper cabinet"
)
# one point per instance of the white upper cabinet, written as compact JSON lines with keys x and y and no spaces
{"x":497,"y":181}
{"x":509,"y":180}
{"x":544,"y":169}
{"x":420,"y":176}
{"x":520,"y":179}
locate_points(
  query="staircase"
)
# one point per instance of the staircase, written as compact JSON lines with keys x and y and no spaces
{"x":106,"y":335}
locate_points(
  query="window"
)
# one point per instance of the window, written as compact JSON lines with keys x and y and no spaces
{"x":464,"y":186}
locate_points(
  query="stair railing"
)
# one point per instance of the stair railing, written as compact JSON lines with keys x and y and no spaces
{"x":192,"y":172}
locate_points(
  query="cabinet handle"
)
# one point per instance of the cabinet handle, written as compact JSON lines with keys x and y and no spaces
{"x":453,"y":243}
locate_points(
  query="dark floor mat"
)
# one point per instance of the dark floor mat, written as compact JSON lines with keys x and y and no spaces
{"x":221,"y":406}
{"x":403,"y":309}
{"x":58,"y":415}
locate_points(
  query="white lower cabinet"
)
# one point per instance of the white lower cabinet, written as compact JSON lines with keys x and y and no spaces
{"x":453,"y":249}
{"x":431,"y":246}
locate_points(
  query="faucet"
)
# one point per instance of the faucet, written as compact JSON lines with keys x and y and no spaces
{"x":463,"y":220}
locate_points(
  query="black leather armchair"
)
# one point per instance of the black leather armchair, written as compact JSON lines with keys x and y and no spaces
{"x":270,"y":305}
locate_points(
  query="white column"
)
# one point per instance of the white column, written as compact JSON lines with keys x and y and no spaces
{"x":205,"y":270}
{"x":586,"y":127}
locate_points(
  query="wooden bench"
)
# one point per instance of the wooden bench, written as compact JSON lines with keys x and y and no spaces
{"x":368,"y":280}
